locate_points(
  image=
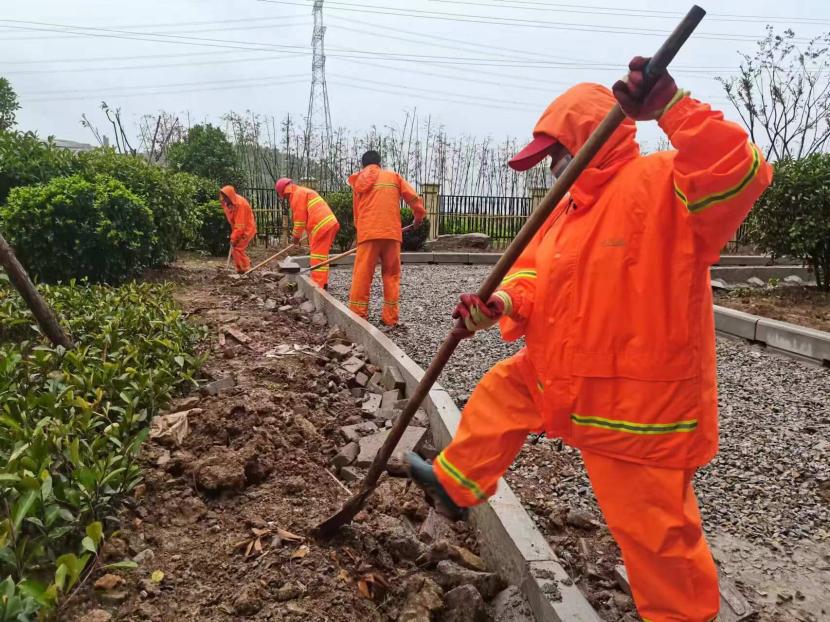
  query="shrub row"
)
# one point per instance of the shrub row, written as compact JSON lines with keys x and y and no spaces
{"x":71,"y":423}
{"x":99,"y":215}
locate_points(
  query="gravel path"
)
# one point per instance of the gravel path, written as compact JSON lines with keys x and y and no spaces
{"x":766,"y":494}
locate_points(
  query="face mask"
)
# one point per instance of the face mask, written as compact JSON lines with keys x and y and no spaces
{"x":560,"y":165}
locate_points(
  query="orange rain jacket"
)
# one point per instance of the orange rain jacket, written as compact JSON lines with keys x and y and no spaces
{"x":613,"y":295}
{"x":241,"y":218}
{"x":377,"y":203}
{"x":309,"y":212}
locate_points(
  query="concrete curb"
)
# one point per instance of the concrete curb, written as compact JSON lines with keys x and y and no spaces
{"x":731,"y":268}
{"x":510,"y":541}
{"x":805,"y":344}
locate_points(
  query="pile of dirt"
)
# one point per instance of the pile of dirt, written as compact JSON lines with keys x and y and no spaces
{"x":220,"y":527}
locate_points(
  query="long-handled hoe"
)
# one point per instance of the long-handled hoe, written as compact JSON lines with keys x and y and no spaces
{"x":613,"y":119}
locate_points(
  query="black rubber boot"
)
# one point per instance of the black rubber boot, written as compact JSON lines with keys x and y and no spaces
{"x":421,"y":472}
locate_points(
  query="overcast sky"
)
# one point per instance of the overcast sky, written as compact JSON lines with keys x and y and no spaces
{"x":484,"y":67}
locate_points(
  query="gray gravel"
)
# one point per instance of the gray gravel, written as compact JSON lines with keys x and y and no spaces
{"x":764,"y":485}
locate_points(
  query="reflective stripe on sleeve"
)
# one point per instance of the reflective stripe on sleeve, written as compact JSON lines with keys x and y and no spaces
{"x":719,"y":197}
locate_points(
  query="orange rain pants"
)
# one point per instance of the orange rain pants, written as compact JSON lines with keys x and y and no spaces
{"x":651,"y":511}
{"x":368,"y":253}
{"x":240,"y":257}
{"x":319,"y":248}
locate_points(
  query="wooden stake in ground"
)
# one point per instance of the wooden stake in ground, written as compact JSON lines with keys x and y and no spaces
{"x":230,"y":252}
{"x":23,"y":284}
{"x":560,"y":188}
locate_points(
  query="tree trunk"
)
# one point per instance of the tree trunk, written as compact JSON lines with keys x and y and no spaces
{"x":23,"y":284}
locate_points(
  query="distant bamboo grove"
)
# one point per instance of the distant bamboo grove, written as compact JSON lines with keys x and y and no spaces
{"x":419,"y":149}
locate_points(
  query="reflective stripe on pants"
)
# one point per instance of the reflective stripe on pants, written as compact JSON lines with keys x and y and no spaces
{"x":319,"y":248}
{"x":651,"y":512}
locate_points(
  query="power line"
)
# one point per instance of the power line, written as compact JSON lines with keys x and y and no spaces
{"x":154,"y":65}
{"x":505,"y":21}
{"x":464,"y":100}
{"x":175,"y":32}
{"x":623,"y":12}
{"x":164,"y":89}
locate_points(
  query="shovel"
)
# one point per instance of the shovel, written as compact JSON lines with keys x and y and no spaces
{"x":272,"y":258}
{"x":580,"y":162}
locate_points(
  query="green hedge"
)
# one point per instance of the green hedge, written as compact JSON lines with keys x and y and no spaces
{"x":793,"y":216}
{"x":73,"y":421}
{"x":169,"y":195}
{"x":213,"y":232}
{"x":25,"y":160}
{"x":71,"y":227}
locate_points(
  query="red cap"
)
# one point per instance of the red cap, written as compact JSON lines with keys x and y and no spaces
{"x":281,"y":184}
{"x":535,"y":151}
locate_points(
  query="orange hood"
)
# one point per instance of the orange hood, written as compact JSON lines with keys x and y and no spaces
{"x":365,"y":179}
{"x":230,"y":192}
{"x":571,"y":118}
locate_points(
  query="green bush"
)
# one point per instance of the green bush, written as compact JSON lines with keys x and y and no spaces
{"x":73,"y":422}
{"x":793,"y":216}
{"x":213,"y":231}
{"x":25,"y":160}
{"x":193,"y":193}
{"x":71,"y":227}
{"x":414,"y":239}
{"x":167,"y":195}
{"x":341,"y":204}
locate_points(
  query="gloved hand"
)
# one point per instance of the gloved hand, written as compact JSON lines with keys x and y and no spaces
{"x":235,"y":239}
{"x":641,"y":105}
{"x":478,"y":316}
{"x":295,"y":240}
{"x":417,"y":221}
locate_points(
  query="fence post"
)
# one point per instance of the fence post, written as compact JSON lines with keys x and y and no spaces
{"x":430,"y":193}
{"x":536,"y":196}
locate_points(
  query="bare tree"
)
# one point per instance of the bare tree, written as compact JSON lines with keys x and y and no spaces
{"x":157,"y":132}
{"x":782,"y":94}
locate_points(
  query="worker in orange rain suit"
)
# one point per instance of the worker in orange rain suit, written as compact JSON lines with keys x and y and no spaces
{"x":377,"y":218}
{"x":243,"y":225}
{"x":311,"y":213}
{"x":613,"y":298}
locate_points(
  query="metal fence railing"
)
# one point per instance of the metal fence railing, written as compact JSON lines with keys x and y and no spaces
{"x":498,"y":217}
{"x":271,"y":214}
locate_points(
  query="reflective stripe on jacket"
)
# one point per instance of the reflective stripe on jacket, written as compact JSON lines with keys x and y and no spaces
{"x":377,"y":203}
{"x":613,"y":295}
{"x":309,"y":212}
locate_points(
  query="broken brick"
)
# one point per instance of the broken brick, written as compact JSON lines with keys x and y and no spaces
{"x":372,"y":404}
{"x":346,"y":455}
{"x":353,"y":365}
{"x":370,"y":445}
{"x":389,"y":399}
{"x":392,"y":379}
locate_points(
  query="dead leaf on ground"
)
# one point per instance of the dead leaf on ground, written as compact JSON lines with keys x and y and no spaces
{"x":108,"y":582}
{"x":344,"y":576}
{"x":300,"y":552}
{"x":157,"y":576}
{"x":372,"y":585}
{"x":287,"y":535}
